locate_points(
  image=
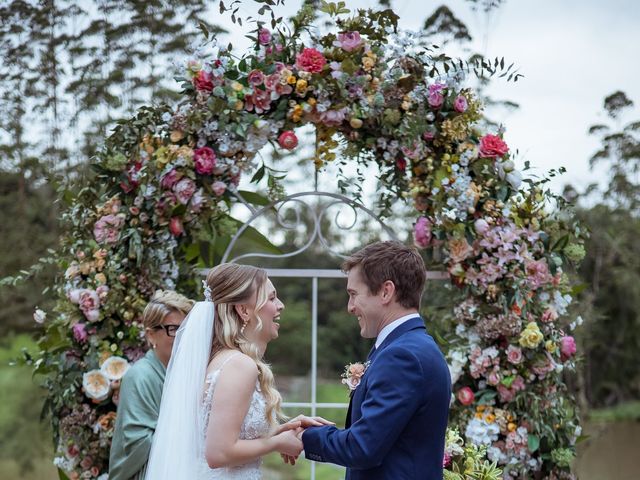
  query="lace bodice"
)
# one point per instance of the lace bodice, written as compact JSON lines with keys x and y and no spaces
{"x":255,"y":425}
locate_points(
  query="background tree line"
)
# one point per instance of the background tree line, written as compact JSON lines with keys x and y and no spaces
{"x":70,"y":69}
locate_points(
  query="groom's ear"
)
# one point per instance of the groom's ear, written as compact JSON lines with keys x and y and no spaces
{"x":387,"y":292}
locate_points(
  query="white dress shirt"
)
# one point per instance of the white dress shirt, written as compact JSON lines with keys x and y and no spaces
{"x":384,"y":333}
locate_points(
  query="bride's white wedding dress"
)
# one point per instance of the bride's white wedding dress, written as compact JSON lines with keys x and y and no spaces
{"x":255,"y":425}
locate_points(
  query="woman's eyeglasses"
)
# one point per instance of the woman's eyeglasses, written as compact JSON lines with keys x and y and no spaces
{"x":170,"y":330}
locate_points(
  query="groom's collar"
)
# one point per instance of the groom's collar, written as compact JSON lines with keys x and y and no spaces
{"x":397,"y":327}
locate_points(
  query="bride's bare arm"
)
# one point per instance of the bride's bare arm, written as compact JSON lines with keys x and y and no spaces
{"x":230,"y":404}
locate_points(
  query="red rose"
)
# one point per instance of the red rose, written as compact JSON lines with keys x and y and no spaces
{"x":492,"y":146}
{"x":175,"y":227}
{"x":310,"y":60}
{"x":465,"y":396}
{"x":203,"y":81}
{"x":288,"y":140}
{"x":204,"y":159}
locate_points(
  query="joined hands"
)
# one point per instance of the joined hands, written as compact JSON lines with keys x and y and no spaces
{"x":292,"y":431}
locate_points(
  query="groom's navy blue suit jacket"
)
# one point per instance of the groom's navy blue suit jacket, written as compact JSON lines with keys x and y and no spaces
{"x":397,"y":418}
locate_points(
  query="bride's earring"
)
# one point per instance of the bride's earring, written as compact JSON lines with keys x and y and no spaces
{"x":244,"y":325}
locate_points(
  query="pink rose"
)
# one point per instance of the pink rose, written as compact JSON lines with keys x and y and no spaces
{"x":493,"y":378}
{"x":107,"y":228}
{"x":422,"y":233}
{"x":79,"y":332}
{"x":310,"y":60}
{"x":255,"y":78}
{"x":549,"y":315}
{"x":184,"y":190}
{"x":73,"y":451}
{"x":288,"y":140}
{"x":170,"y":179}
{"x":436,"y":96}
{"x":204,"y":159}
{"x":264,"y":36}
{"x":459,"y":249}
{"x":203,"y":81}
{"x":446,"y":460}
{"x":460,"y":104}
{"x":175,"y":226}
{"x":514,"y":354}
{"x":465,"y":396}
{"x":349,"y":41}
{"x":219,"y":188}
{"x":89,"y":300}
{"x":567,"y":348}
{"x":74,"y":295}
{"x":492,"y":146}
{"x":272,"y":81}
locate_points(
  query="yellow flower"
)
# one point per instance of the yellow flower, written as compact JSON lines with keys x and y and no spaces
{"x":368,"y":63}
{"x":512,"y":427}
{"x":291,"y":80}
{"x":490,"y":418}
{"x":237,"y":86}
{"x":301,"y":86}
{"x":101,"y":278}
{"x":312,"y":101}
{"x":551,"y":346}
{"x":531,"y":336}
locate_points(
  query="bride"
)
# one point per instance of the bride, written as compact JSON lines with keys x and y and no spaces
{"x":220,"y":407}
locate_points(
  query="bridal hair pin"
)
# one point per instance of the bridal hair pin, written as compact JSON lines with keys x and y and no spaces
{"x":207,"y":291}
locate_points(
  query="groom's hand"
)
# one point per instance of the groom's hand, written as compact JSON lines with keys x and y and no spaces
{"x":306,"y":422}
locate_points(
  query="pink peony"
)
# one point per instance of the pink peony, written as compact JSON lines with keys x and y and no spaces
{"x":219,"y":187}
{"x":333,"y":118}
{"x":460,"y":104}
{"x":92,"y":315}
{"x":197,"y":201}
{"x":349,"y":41}
{"x":506,"y":394}
{"x":204,"y":159}
{"x":537,"y":273}
{"x":514,"y":354}
{"x":102,"y":291}
{"x":184,"y":190}
{"x":436,"y":96}
{"x":422,"y":233}
{"x":465,"y":396}
{"x":203,"y":81}
{"x":89,"y":300}
{"x":567,"y":348}
{"x":310,"y":60}
{"x":107,"y":228}
{"x":80,"y":333}
{"x":288,"y":140}
{"x":175,"y":226}
{"x":264,"y":36}
{"x":170,"y":179}
{"x":492,"y":146}
{"x":255,"y":78}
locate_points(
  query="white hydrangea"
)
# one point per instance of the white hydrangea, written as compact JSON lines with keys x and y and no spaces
{"x":479,"y":432}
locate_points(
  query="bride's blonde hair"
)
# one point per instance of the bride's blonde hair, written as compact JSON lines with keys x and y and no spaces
{"x":232,"y":284}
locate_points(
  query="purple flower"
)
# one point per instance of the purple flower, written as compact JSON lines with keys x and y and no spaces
{"x":264,"y":36}
{"x":349,"y":41}
{"x":79,"y":333}
{"x":436,"y":96}
{"x":422,"y":233}
{"x":460,"y":104}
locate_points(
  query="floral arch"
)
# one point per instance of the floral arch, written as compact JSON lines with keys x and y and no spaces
{"x":167,"y":178}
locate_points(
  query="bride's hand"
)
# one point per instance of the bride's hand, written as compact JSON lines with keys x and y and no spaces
{"x":290,"y":425}
{"x":288,"y":443}
{"x":307,"y":422}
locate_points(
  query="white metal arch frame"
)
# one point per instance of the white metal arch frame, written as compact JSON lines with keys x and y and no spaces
{"x":299,"y":202}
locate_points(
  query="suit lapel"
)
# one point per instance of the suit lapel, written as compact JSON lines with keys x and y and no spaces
{"x":410,"y":324}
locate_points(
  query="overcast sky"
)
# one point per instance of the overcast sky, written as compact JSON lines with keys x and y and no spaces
{"x":572,"y":53}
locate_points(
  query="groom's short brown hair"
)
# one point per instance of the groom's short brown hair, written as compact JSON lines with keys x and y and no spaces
{"x":394,"y":261}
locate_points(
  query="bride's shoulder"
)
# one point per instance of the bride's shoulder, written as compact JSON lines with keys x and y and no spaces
{"x":234,"y":362}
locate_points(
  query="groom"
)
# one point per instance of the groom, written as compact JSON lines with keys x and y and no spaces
{"x":395,"y":426}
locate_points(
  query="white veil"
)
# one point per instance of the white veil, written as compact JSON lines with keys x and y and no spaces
{"x":177,"y":450}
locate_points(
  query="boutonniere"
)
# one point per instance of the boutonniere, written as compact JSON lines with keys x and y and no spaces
{"x":353,"y":374}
